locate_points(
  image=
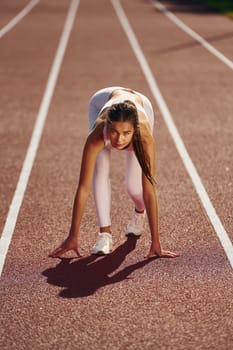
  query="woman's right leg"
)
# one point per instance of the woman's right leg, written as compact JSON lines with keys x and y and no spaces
{"x":102,"y":190}
{"x":102,"y":196}
{"x":134,"y":179}
{"x":101,"y":181}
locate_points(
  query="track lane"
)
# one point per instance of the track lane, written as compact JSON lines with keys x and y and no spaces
{"x":200,"y":118}
{"x":213,"y":34}
{"x":36,"y":134}
{"x":23,"y":81}
{"x":9,"y":10}
{"x":19,"y":17}
{"x":168,"y":118}
{"x":165,"y":303}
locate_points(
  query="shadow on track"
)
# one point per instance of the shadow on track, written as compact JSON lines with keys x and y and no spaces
{"x":85,"y":276}
{"x":190,"y":44}
{"x":186,"y":6}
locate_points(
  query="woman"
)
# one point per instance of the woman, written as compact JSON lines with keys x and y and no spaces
{"x":123,"y":119}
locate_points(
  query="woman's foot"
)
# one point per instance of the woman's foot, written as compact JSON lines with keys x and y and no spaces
{"x":136,"y":224}
{"x":103,"y":244}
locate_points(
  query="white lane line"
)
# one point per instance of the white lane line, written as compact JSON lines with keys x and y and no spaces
{"x":192,"y":33}
{"x":200,"y":189}
{"x":18,"y":18}
{"x":36,"y":135}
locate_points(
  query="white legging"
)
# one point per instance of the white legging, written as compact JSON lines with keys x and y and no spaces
{"x":101,"y":180}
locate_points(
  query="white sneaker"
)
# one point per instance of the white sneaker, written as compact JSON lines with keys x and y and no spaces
{"x":136,"y":224}
{"x":103,"y":244}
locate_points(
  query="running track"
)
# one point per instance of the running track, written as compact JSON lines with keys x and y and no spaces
{"x":52,"y":60}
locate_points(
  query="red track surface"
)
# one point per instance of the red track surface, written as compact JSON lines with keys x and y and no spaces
{"x":120,"y":301}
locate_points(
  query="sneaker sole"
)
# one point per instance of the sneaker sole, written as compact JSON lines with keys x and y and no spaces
{"x":132,"y":234}
{"x":100,"y":252}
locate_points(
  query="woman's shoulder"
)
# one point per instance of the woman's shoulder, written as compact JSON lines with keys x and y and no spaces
{"x":144,"y":125}
{"x":101,"y":118}
{"x":96,"y":133}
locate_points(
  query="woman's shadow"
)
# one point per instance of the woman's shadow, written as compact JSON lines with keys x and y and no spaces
{"x":83,"y":277}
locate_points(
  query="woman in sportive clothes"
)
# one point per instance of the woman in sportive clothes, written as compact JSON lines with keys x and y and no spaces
{"x":123,"y":119}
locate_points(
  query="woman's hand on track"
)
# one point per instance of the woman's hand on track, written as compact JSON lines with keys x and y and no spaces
{"x":66,"y":246}
{"x":162,"y":254}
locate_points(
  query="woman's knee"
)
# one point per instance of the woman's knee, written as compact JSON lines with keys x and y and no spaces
{"x":134,"y":190}
{"x":102,"y":165}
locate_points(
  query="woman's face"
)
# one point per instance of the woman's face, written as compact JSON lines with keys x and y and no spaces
{"x":121,"y":134}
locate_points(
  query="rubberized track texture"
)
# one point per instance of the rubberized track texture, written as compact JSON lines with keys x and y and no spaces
{"x":54,"y":56}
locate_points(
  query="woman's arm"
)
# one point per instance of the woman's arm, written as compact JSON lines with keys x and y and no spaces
{"x":90,"y":152}
{"x":150,"y":200}
{"x":93,"y":146}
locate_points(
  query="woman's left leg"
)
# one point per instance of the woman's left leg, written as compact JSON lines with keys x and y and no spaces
{"x":134,"y":189}
{"x":101,"y":182}
{"x":133,"y":169}
{"x":134,"y":181}
{"x":134,"y":178}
